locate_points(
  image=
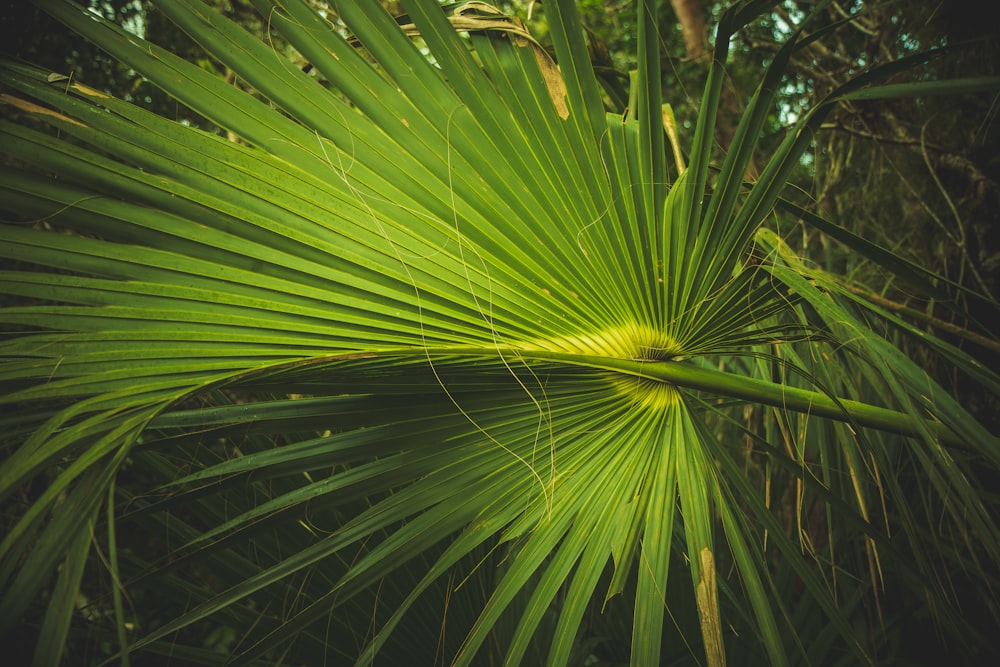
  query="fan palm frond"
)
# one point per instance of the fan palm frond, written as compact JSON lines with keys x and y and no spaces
{"x":439,"y":359}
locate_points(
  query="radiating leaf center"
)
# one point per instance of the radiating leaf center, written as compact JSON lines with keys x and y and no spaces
{"x":641,"y":343}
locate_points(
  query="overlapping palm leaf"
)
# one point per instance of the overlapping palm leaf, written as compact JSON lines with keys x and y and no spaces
{"x":428,"y":359}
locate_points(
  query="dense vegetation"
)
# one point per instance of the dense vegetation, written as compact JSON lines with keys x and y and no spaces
{"x":432,"y":335}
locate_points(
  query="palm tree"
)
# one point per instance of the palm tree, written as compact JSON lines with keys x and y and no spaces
{"x":441,"y":362}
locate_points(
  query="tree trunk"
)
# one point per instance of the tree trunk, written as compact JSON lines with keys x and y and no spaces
{"x":692,"y":19}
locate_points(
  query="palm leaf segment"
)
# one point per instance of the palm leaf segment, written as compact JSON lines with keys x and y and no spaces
{"x":490,"y":287}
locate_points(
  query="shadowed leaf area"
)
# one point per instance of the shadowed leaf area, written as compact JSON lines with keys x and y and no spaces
{"x":459,"y":334}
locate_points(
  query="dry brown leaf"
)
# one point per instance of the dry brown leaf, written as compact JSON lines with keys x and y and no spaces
{"x":708,"y":605}
{"x":31,"y":107}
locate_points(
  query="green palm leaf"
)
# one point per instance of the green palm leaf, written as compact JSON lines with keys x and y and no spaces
{"x":436,"y":363}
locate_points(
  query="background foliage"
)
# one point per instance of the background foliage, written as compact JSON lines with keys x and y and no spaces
{"x":915,"y":175}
